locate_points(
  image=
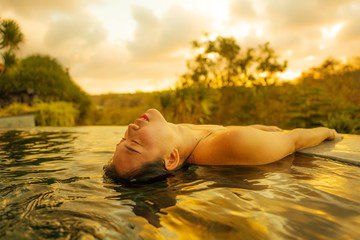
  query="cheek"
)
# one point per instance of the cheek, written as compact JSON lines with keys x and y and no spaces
{"x":155,"y":137}
{"x":117,"y":150}
{"x":149,"y":136}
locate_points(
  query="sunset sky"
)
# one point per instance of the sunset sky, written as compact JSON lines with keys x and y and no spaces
{"x":130,"y":45}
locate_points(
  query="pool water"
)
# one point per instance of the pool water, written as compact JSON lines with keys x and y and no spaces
{"x":52,"y":187}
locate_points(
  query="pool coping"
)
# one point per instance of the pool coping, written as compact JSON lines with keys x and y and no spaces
{"x":18,"y":121}
{"x":345,"y":150}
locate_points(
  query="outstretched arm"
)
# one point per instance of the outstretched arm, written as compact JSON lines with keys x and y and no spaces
{"x":266,"y":128}
{"x":250,"y":146}
{"x":304,"y":138}
{"x":259,"y":147}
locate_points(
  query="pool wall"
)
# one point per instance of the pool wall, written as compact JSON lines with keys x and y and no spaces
{"x":344,"y":150}
{"x":21,"y":121}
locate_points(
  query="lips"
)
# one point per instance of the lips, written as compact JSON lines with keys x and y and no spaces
{"x":144,"y":116}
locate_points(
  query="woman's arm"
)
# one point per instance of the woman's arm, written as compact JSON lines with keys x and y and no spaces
{"x":251,"y":146}
{"x":304,"y":138}
{"x":259,"y":147}
{"x":266,"y":128}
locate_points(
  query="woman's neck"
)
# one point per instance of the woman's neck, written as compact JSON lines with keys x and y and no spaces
{"x":187,"y":139}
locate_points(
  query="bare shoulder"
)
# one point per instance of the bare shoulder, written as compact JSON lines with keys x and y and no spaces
{"x":202,"y":126}
{"x":242,"y":146}
{"x":216,"y":148}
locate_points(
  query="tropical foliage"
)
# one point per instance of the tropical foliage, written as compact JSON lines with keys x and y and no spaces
{"x":327,"y":95}
{"x":46,"y":113}
{"x":42,"y":74}
{"x":55,"y":114}
{"x":219,"y":72}
{"x":337,"y":104}
{"x":10,"y":38}
{"x":225,"y":83}
{"x":122,"y":109}
{"x":50,"y":81}
{"x":15,"y":109}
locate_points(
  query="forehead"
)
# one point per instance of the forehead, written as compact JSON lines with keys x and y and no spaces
{"x":127,"y":161}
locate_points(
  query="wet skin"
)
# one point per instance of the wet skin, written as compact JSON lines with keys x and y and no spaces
{"x":148,"y":138}
{"x":151,"y":137}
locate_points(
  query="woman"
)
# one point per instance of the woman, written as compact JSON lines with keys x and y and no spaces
{"x":153,"y":147}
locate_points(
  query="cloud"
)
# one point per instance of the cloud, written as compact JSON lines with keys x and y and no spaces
{"x":63,"y":29}
{"x":112,"y":65}
{"x":79,"y":40}
{"x":243,"y":9}
{"x":78,"y":31}
{"x":293,"y":15}
{"x":38,"y":9}
{"x":155,"y":37}
{"x":109,"y":44}
{"x":148,"y":30}
{"x":351,"y":30}
{"x":293,"y":28}
{"x":150,"y":59}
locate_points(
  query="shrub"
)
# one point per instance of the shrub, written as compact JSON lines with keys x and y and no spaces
{"x":15,"y":109}
{"x":343,"y":123}
{"x":55,"y":114}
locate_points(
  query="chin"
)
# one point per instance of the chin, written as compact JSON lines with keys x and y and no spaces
{"x":155,"y":114}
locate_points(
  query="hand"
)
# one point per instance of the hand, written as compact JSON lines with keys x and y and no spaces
{"x":334,"y":135}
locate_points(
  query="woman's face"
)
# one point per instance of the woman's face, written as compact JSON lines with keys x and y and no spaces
{"x":145,"y":140}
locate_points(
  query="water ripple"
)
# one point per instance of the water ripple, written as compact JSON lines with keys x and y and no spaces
{"x":52,"y":187}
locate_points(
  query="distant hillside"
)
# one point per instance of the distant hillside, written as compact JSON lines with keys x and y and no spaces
{"x":122,"y":109}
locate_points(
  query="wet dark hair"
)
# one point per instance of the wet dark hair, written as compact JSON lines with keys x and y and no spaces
{"x":149,"y":172}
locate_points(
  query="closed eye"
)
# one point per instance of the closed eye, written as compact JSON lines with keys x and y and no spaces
{"x":131,"y":149}
{"x":135,"y":142}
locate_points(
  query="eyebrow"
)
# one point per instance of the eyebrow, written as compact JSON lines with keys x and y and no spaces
{"x":131,"y":149}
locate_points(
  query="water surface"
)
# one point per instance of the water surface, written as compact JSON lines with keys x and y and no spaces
{"x":52,"y":187}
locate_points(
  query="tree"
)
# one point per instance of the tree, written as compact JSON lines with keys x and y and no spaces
{"x":10,"y":38}
{"x":329,"y":96}
{"x":222,"y":63}
{"x":48,"y":78}
{"x":268,"y":65}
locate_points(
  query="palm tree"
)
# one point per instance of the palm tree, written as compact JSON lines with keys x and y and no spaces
{"x":10,"y":38}
{"x":9,"y":59}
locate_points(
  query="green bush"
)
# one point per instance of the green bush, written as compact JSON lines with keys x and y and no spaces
{"x":15,"y":109}
{"x":51,"y":82}
{"x":343,"y":123}
{"x":55,"y":114}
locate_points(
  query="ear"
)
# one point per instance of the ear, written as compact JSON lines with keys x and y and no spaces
{"x":172,"y":161}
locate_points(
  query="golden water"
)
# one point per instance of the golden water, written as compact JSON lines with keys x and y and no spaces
{"x":52,"y":187}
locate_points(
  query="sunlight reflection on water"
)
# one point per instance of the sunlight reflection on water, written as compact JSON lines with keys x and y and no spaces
{"x":52,"y":187}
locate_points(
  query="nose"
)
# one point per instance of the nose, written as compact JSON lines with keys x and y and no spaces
{"x":133,"y":126}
